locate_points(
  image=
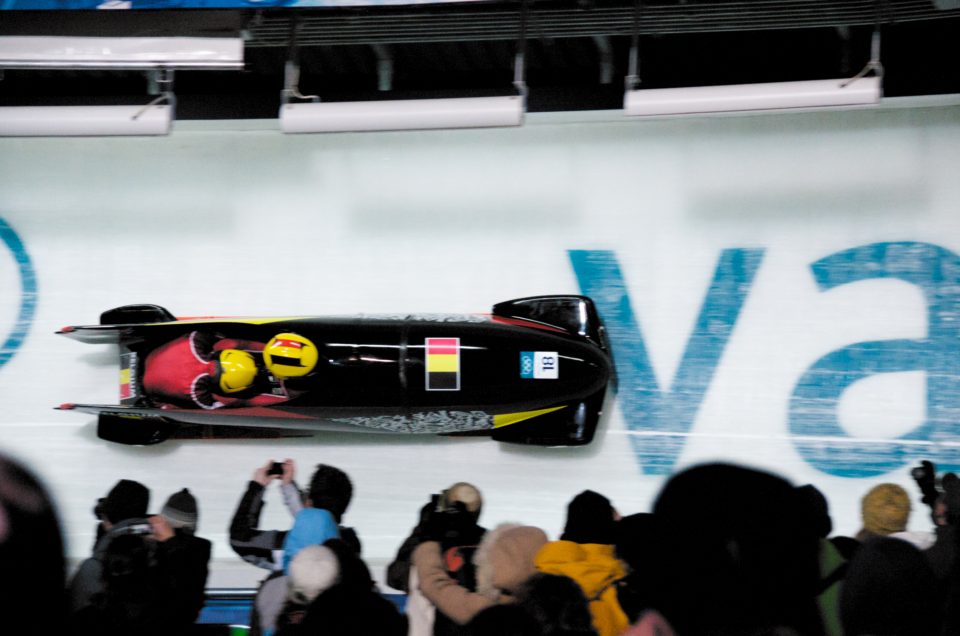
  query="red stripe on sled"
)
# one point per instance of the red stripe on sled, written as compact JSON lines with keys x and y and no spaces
{"x":443,"y":346}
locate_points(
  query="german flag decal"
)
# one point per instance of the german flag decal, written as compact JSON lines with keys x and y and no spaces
{"x":128,"y":374}
{"x":443,"y":364}
{"x":125,"y":387}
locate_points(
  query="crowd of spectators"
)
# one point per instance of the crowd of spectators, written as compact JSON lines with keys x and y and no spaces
{"x":726,"y":550}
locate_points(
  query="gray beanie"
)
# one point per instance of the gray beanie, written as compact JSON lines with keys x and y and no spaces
{"x":180,"y":511}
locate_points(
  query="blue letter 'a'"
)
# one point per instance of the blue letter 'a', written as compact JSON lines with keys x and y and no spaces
{"x":813,"y":408}
{"x":660,"y":421}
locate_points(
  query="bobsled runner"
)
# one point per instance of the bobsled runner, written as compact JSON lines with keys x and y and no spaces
{"x":534,"y":371}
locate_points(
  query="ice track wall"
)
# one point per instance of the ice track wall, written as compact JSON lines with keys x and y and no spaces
{"x":781,"y":290}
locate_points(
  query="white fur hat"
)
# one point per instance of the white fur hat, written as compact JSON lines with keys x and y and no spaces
{"x":313,"y":570}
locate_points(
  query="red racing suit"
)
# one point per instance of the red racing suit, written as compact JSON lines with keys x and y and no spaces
{"x":181,"y":373}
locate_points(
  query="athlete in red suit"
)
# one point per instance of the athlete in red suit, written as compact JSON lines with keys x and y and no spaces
{"x":201,"y":370}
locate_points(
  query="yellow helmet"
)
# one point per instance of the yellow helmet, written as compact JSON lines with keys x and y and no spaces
{"x":238,"y":369}
{"x":289,"y":355}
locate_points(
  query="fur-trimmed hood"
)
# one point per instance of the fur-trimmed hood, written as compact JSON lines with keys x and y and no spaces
{"x":505,"y":558}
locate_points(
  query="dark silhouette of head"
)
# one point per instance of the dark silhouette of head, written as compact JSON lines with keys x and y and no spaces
{"x":741,"y":553}
{"x":590,"y":519}
{"x":557,"y":604}
{"x":127,"y":499}
{"x":889,"y":589}
{"x":331,"y":489}
{"x":32,"y":587}
{"x":349,"y":611}
{"x":354,"y":573}
{"x":811,"y":497}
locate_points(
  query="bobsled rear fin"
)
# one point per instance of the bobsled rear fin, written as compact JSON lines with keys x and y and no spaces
{"x":92,"y":334}
{"x":145,"y":426}
{"x":136,"y":314}
{"x":577,"y":315}
{"x":143,"y":430}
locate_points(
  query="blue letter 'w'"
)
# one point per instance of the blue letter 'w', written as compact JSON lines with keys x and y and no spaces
{"x":661,"y":420}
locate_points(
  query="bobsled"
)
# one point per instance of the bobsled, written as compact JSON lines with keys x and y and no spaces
{"x":533,"y":371}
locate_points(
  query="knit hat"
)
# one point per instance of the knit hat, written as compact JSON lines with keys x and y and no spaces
{"x":590,"y":519}
{"x":126,"y":500}
{"x":180,"y":511}
{"x":885,"y":509}
{"x":313,"y":571}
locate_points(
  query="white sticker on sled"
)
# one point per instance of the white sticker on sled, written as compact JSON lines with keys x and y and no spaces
{"x":539,"y":365}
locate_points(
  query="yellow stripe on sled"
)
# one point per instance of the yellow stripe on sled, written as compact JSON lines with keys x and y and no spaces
{"x":512,"y":418}
{"x":443,"y":363}
{"x":124,"y":376}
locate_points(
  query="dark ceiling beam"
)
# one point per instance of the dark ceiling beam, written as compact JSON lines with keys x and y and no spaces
{"x":427,"y":23}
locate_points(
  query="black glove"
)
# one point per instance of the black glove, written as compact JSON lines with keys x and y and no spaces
{"x":926,"y":477}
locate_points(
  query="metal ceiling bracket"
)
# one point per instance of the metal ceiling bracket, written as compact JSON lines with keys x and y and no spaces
{"x":519,"y":60}
{"x":291,"y":69}
{"x":632,"y":80}
{"x":291,"y":85}
{"x":873,"y":65}
{"x":160,"y":83}
{"x":605,"y":50}
{"x":384,"y":67}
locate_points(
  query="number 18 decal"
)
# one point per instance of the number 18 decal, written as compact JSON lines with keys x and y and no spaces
{"x":539,"y":365}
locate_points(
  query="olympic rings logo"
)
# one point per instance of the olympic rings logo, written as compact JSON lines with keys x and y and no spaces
{"x":526,"y":365}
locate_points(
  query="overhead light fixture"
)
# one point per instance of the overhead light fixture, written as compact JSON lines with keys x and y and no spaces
{"x":857,"y":91}
{"x":69,"y":121}
{"x":411,"y":114}
{"x":746,"y":97}
{"x":56,"y":52}
{"x":159,"y":57}
{"x":153,"y":118}
{"x":307,"y":114}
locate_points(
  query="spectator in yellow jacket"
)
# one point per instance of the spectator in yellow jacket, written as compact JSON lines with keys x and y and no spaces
{"x":585,"y":553}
